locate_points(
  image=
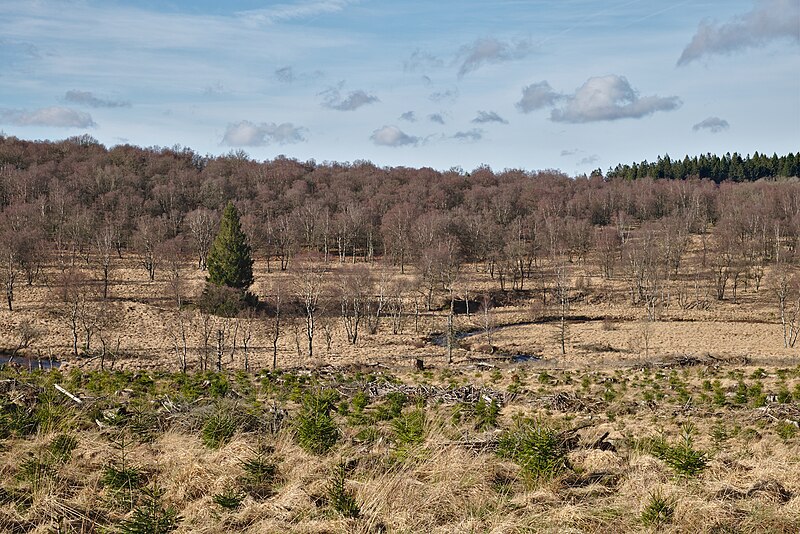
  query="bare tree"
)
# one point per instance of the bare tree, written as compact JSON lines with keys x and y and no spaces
{"x":353,"y":288}
{"x":787,"y":290}
{"x":202,"y":225}
{"x":105,"y":241}
{"x":562,"y":289}
{"x":308,"y":286}
{"x":73,"y":295}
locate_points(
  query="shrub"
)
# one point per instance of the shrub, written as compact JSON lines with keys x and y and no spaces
{"x":260,"y":472}
{"x":230,"y":499}
{"x":409,"y":429}
{"x":316,"y":431}
{"x":538,"y":449}
{"x":61,"y":447}
{"x":341,"y":500}
{"x":392,"y":406}
{"x":219,"y":428}
{"x":682,"y":458}
{"x":658,"y":510}
{"x":151,"y":517}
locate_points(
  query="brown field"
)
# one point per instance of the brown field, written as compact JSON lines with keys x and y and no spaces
{"x":624,"y":384}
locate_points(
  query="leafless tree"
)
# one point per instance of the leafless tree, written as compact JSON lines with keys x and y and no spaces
{"x":787,"y":290}
{"x":202,"y":225}
{"x":308,"y":284}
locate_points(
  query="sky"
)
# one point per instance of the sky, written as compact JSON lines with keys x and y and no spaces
{"x":573,"y":85}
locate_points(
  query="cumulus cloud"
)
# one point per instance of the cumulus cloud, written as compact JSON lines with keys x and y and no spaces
{"x":488,"y":116}
{"x":436,"y":117}
{"x":770,"y":20}
{"x":420,"y":60}
{"x":392,"y":136}
{"x":449,"y":94}
{"x":246,"y":133}
{"x":537,"y":96}
{"x":608,"y":98}
{"x":409,"y":116}
{"x":476,"y":134}
{"x":52,"y":116}
{"x":353,"y":101}
{"x":712,"y":124}
{"x":490,"y":50}
{"x":87,"y":98}
{"x":299,"y":10}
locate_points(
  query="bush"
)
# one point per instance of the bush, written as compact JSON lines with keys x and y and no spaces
{"x":538,"y":449}
{"x":409,"y":429}
{"x":218,"y":428}
{"x":316,"y":431}
{"x":682,"y":458}
{"x":260,"y":473}
{"x":659,"y":510}
{"x":151,"y":517}
{"x":341,"y":500}
{"x":229,"y":499}
{"x":392,"y":406}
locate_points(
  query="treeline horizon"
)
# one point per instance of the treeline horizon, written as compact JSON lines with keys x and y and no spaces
{"x":76,"y":198}
{"x":728,"y":167}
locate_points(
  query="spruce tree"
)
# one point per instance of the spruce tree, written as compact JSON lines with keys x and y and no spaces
{"x":229,"y":261}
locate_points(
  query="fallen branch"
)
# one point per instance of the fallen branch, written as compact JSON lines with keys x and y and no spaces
{"x":68,"y":394}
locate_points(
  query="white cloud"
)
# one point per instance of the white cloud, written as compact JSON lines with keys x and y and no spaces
{"x":409,"y":116}
{"x":488,"y":116}
{"x":392,"y":136}
{"x":712,"y":124}
{"x":52,"y":116}
{"x":299,"y":10}
{"x":608,"y":98}
{"x":246,"y":133}
{"x":588,"y":160}
{"x":87,"y":98}
{"x":476,"y":134}
{"x":537,"y":96}
{"x":436,"y":117}
{"x":770,"y":20}
{"x":490,"y":50}
{"x":353,"y":101}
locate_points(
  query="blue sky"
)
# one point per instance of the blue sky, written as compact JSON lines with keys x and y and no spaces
{"x":570,"y":84}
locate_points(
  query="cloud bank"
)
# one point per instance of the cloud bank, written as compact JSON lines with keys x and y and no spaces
{"x":246,"y":133}
{"x":770,"y":20}
{"x":55,"y":116}
{"x":392,"y":136}
{"x":608,"y":98}
{"x":712,"y":124}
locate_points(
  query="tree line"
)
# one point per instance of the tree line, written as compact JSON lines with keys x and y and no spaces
{"x":81,"y":207}
{"x":718,"y":169}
